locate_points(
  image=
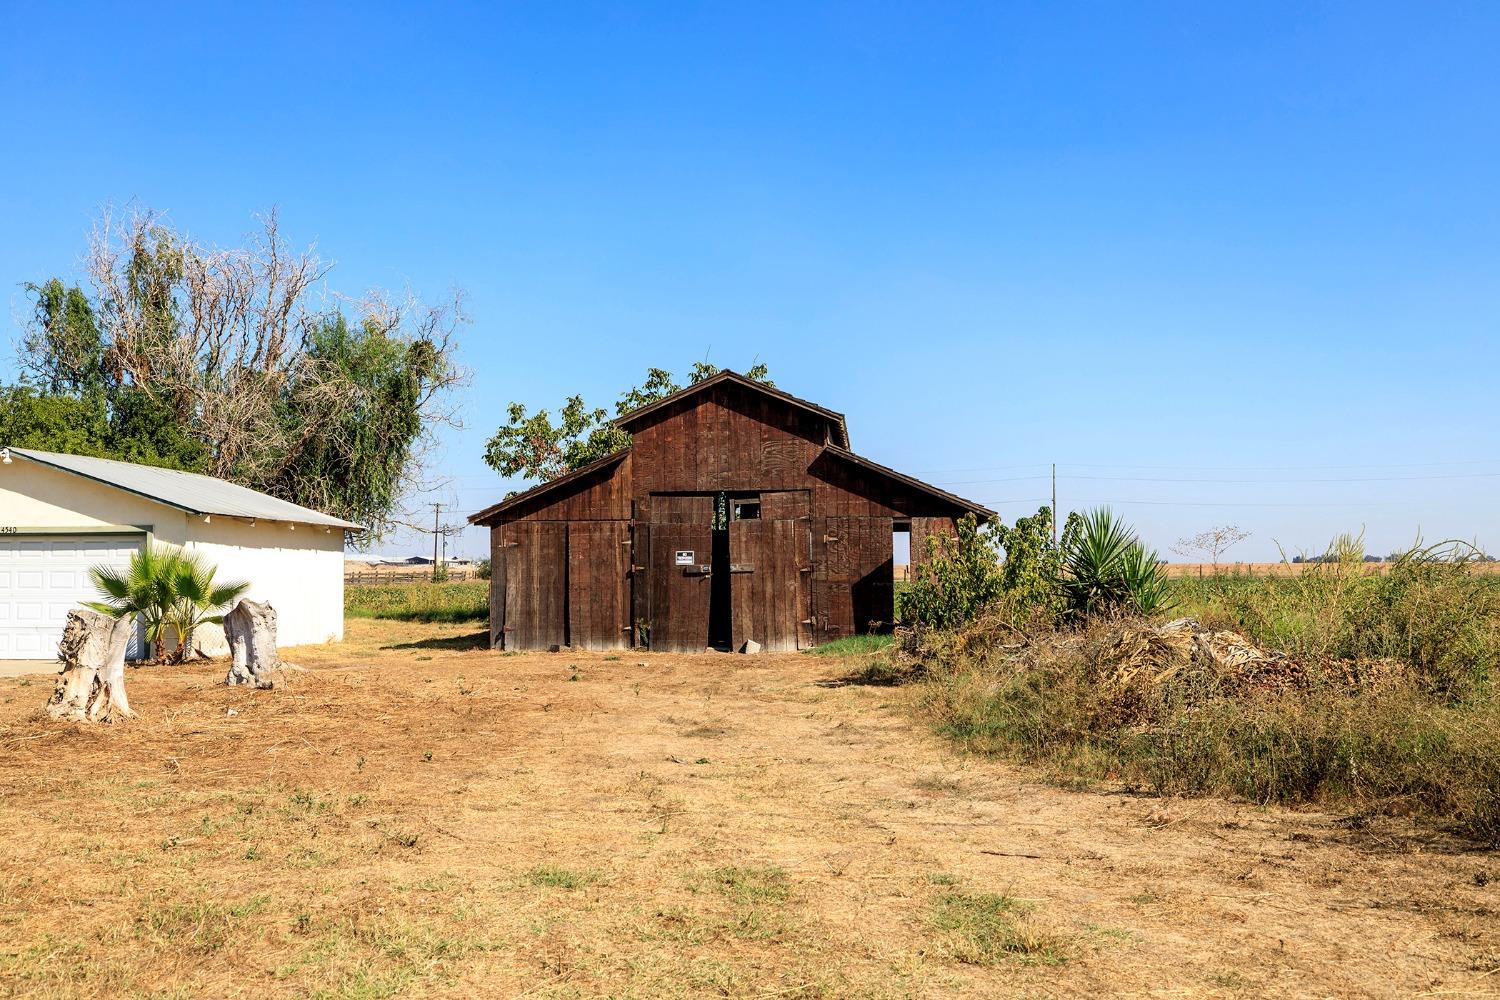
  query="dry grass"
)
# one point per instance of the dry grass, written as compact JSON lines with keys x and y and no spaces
{"x":415,"y":816}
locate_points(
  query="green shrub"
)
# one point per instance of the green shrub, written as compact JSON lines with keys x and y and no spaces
{"x":1101,"y":567}
{"x":1429,"y":611}
{"x":959,"y":579}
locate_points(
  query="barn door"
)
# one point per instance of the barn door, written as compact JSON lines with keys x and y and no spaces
{"x":598,"y":584}
{"x":680,"y":577}
{"x":535,"y":554}
{"x":857,"y":587}
{"x":770,"y":569}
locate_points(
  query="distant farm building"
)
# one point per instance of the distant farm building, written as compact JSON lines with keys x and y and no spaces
{"x":738,"y":515}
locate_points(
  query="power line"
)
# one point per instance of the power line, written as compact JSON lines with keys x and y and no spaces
{"x":1228,"y":482}
{"x":1215,"y":468}
{"x":1197,"y":503}
{"x":1290,"y":468}
{"x":986,"y":482}
{"x":1293,"y":482}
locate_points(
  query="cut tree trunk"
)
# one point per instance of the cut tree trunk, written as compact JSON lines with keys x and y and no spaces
{"x":251,"y":629}
{"x":91,"y":686}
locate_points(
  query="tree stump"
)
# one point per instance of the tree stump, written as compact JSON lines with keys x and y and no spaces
{"x":91,"y":686}
{"x":251,"y":630}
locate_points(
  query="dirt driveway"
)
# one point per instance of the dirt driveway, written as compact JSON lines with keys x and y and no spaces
{"x":415,"y":816}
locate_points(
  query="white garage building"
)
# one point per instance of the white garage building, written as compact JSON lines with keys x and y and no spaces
{"x":62,"y":514}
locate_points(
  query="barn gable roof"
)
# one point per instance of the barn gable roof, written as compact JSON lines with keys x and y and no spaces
{"x":838,"y":427}
{"x":843,"y":454}
{"x":186,"y":491}
{"x":489,"y":514}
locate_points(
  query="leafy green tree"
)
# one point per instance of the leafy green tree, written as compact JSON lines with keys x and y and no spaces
{"x":32,"y":418}
{"x":65,"y":339}
{"x":534,"y":446}
{"x":1031,"y":574}
{"x":357,"y":449}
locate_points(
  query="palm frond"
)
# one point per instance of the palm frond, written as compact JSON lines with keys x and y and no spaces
{"x":227,"y":593}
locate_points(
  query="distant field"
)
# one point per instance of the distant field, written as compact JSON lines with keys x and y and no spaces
{"x":903,"y":571}
{"x":419,"y":602}
{"x":1288,"y":569}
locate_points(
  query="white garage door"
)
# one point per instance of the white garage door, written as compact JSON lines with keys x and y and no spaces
{"x":42,"y":577}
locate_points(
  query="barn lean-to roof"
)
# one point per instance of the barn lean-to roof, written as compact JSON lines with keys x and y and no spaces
{"x":844,"y":454}
{"x":839,"y":428}
{"x":516,"y":499}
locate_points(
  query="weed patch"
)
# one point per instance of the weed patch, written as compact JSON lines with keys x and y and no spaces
{"x":744,"y":885}
{"x":555,"y":877}
{"x":986,"y":929}
{"x":852,"y":645}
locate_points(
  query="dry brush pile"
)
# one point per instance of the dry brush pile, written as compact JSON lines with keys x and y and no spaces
{"x":1340,"y":688}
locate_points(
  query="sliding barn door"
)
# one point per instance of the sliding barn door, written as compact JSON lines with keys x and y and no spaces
{"x":535,"y":555}
{"x":599,"y":584}
{"x":771,"y":568}
{"x":679,"y":574}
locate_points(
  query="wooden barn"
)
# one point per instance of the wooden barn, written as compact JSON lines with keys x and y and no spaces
{"x":738,"y":514}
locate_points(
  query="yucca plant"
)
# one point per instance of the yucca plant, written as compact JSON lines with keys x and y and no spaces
{"x":1094,"y":546}
{"x":1108,"y":569}
{"x":197,"y":600}
{"x":1146,"y":581}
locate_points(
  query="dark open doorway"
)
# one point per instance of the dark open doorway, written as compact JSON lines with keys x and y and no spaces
{"x":720,"y":613}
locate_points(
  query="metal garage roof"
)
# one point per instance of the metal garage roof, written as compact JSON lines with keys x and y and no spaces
{"x":187,"y":491}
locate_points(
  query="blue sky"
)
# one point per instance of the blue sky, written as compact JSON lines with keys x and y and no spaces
{"x":1221,"y":265}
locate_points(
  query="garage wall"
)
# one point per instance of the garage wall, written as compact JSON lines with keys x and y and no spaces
{"x":301,"y":571}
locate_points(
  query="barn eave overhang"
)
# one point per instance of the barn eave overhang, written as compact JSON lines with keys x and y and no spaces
{"x":492,"y":513}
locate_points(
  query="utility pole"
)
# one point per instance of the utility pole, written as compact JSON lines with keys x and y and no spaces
{"x":1054,"y":505}
{"x":436,"y":534}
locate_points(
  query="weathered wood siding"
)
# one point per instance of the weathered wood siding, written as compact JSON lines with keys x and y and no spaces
{"x":922,"y":530}
{"x":679,"y":603}
{"x":602,"y":496}
{"x":599,"y":584}
{"x":535,"y":590}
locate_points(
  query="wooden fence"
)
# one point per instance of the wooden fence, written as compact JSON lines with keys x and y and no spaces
{"x":376,"y":575}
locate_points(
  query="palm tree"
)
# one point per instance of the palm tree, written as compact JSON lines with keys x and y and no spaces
{"x":166,"y":588}
{"x":144,"y":588}
{"x":197,"y":600}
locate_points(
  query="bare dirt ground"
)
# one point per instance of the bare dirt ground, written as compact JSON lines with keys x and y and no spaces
{"x":415,"y":816}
